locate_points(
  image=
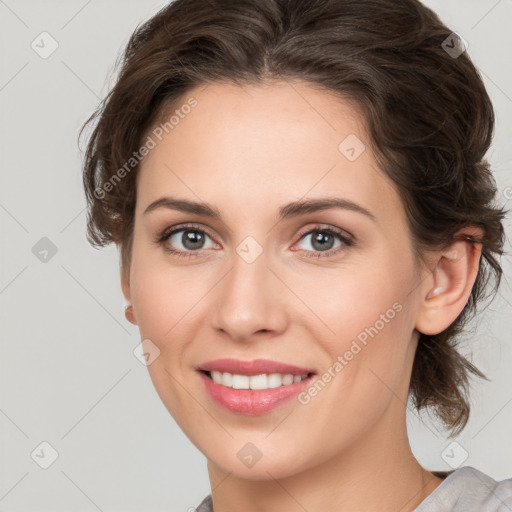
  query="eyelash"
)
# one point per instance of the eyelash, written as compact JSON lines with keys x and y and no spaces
{"x":347,"y":241}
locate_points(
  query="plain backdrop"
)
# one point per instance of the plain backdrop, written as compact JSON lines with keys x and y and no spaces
{"x":68,"y":375}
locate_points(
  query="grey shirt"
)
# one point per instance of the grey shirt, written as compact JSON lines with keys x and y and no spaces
{"x":464,"y":490}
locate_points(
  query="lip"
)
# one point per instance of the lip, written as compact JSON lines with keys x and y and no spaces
{"x":255,"y":367}
{"x":252,"y":402}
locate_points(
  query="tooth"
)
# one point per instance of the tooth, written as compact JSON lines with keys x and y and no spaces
{"x":258,"y":381}
{"x":287,"y":379}
{"x":262,"y":381}
{"x":240,"y":382}
{"x":227,"y":379}
{"x":216,"y":376}
{"x":274,"y":380}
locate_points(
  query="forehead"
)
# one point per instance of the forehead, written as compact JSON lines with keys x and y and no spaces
{"x":268,"y":144}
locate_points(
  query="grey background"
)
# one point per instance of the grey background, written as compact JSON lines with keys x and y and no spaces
{"x":68,"y":375}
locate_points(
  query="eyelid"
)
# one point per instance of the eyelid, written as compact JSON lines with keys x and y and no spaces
{"x":347,"y":241}
{"x":167,"y":232}
{"x":327,"y":227}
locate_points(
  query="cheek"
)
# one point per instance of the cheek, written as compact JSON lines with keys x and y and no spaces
{"x":164,"y":304}
{"x":366,"y":317}
{"x":164,"y":296}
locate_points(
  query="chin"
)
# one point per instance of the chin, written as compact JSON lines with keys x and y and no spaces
{"x":235,"y":458}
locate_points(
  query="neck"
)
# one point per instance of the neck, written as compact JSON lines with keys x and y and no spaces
{"x":379,"y":473}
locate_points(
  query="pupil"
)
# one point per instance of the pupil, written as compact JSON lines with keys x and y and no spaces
{"x":323,"y":241}
{"x":192,"y":240}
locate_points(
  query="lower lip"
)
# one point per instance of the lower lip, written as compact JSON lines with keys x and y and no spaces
{"x":252,"y":402}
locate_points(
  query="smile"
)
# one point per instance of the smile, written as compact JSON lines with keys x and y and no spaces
{"x":256,"y":394}
{"x":262,"y":381}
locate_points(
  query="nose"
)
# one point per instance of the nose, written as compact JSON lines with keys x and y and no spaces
{"x":249,"y":300}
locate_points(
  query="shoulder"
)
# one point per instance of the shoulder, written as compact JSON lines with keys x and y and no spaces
{"x":205,"y":505}
{"x":469,"y":490}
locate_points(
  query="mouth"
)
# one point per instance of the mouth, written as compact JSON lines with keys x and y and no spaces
{"x":255,"y":382}
{"x":255,"y":394}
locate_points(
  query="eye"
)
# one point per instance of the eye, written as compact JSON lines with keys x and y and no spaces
{"x":190,"y":240}
{"x":325,"y":241}
{"x":184,"y":240}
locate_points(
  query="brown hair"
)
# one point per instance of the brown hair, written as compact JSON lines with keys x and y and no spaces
{"x":427,"y":114}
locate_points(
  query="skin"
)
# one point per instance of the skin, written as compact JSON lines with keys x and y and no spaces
{"x":248,"y":151}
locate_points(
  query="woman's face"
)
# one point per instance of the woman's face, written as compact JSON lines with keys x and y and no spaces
{"x":257,"y":281}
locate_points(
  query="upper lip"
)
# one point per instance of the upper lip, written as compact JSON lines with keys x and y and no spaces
{"x":254,"y":367}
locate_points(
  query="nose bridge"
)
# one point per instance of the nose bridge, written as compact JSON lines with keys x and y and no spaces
{"x":247,"y":298}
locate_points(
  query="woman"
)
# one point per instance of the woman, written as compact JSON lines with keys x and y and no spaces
{"x":305,"y":219}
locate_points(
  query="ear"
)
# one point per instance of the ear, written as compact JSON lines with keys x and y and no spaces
{"x":446,"y":290}
{"x":125,"y":287}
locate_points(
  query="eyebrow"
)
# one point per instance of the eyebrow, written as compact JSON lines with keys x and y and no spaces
{"x":290,"y":210}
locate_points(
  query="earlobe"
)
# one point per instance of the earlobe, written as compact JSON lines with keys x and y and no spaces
{"x":129,"y":314}
{"x":447,"y":289}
